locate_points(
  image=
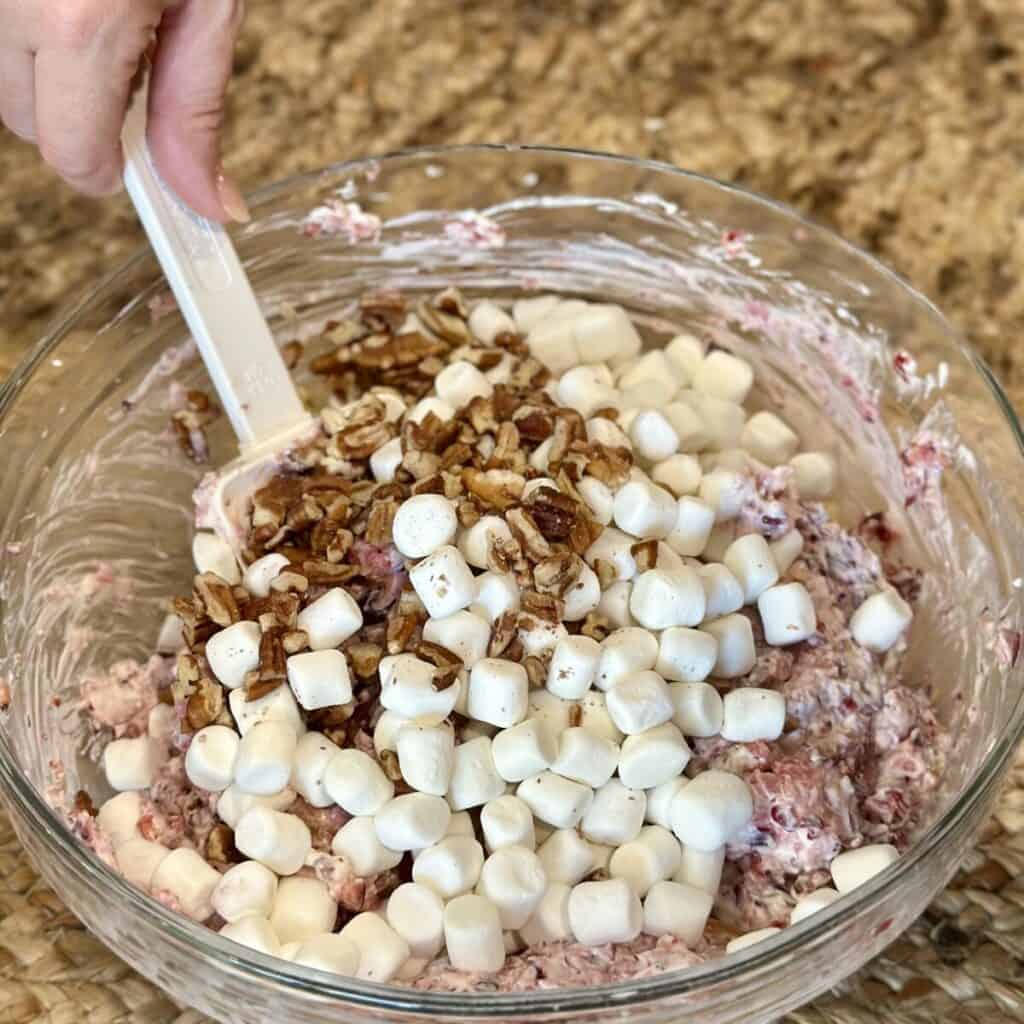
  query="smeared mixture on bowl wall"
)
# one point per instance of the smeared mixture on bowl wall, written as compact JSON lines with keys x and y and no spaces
{"x":546,"y":665}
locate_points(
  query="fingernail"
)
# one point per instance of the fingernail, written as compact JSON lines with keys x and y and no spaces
{"x":231,"y":199}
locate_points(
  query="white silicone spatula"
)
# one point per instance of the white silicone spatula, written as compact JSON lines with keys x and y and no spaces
{"x":218,"y":304}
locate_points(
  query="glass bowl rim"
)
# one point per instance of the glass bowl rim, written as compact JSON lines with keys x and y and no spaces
{"x":759,"y":961}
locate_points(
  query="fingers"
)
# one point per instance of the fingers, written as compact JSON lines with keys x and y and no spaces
{"x":82,"y":77}
{"x":186,"y":104}
{"x":17,"y":92}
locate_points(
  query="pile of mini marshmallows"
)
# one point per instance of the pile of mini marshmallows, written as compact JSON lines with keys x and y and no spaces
{"x":590,"y":830}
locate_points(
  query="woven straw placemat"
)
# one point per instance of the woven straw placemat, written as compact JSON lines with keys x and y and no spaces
{"x":898,"y":122}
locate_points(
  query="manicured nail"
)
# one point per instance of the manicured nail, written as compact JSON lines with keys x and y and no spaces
{"x":231,"y":199}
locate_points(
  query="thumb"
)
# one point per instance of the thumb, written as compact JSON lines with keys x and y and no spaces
{"x":191,"y":69}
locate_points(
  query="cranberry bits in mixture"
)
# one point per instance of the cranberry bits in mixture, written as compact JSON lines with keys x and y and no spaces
{"x":546,"y":665}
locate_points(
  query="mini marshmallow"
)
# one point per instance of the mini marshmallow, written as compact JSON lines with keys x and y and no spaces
{"x":769,"y":439}
{"x":539,"y":637}
{"x":523,"y":750}
{"x":602,"y":912}
{"x":487,"y":321}
{"x":644,"y":510}
{"x":385,"y":461}
{"x":814,"y":474}
{"x":189,"y":880}
{"x":653,"y":757}
{"x":880,"y":621}
{"x":639,"y":701}
{"x":855,"y":867}
{"x":460,"y":382}
{"x":255,"y":932}
{"x":303,"y":907}
{"x":162,"y":723}
{"x":496,"y":593}
{"x":422,"y":524}
{"x":736,"y":652}
{"x":132,"y":764}
{"x":426,"y":757}
{"x":550,"y":711}
{"x":263,"y":764}
{"x":623,"y":652}
{"x":653,"y":437}
{"x":735,"y":460}
{"x":659,"y":801}
{"x":475,"y":779}
{"x":213,"y":554}
{"x":674,"y":908}
{"x":477,"y":541}
{"x":614,"y":605}
{"x":257,"y":577}
{"x":751,"y":938}
{"x":550,"y":341}
{"x":582,"y":596}
{"x":118,"y":818}
{"x":472,"y":934}
{"x":233,"y":652}
{"x":331,"y":619}
{"x":244,"y":889}
{"x":694,"y":521}
{"x":616,"y":814}
{"x":685,"y":353}
{"x":565,"y":857}
{"x":689,"y":427}
{"x":416,"y":913}
{"x":358,"y":844}
{"x":750,"y":560}
{"x":407,"y":688}
{"x":527,"y":313}
{"x":701,"y":868}
{"x":722,"y":420}
{"x":138,"y":859}
{"x":513,"y":879}
{"x":450,"y":867}
{"x":615,"y":547}
{"x":210,"y":758}
{"x":594,"y":716}
{"x":722,"y":591}
{"x":602,"y":332}
{"x":585,"y":757}
{"x":550,"y":920}
{"x":385,"y":732}
{"x":319,"y":679}
{"x":811,"y":904}
{"x":464,"y":634}
{"x":725,"y":376}
{"x":233,"y":803}
{"x":279,"y":841}
{"x":662,"y":599}
{"x":573,"y":667}
{"x":685,"y":655}
{"x":752,"y":713}
{"x":413,"y":821}
{"x":786,"y":550}
{"x":443,"y":582}
{"x":357,"y":783}
{"x":598,"y":498}
{"x":586,"y":389}
{"x":171,"y":637}
{"x":277,"y":706}
{"x":652,"y":857}
{"x":382,"y":951}
{"x":721,"y":536}
{"x":725,"y":491}
{"x":787,"y":614}
{"x":507,"y":821}
{"x":498,"y":692}
{"x":430,"y":406}
{"x":559,"y":802}
{"x":644,"y":392}
{"x":680,"y":474}
{"x":698,"y":709}
{"x":332,"y":953}
{"x":667,"y":560}
{"x":709,"y":811}
{"x":651,"y":366}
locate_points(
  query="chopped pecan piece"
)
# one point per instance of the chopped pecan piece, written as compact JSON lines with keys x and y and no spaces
{"x":645,"y":554}
{"x":596,"y":627}
{"x":583,"y":533}
{"x":495,"y":488}
{"x":364,"y":658}
{"x":524,"y":528}
{"x":327,"y":574}
{"x":294,"y":640}
{"x":291,"y":353}
{"x":544,"y":606}
{"x":289,"y":581}
{"x":536,"y":673}
{"x":503,"y":634}
{"x":468,"y":513}
{"x":575,"y":716}
{"x":389,"y":762}
{"x":610,"y":465}
{"x":555,"y":575}
{"x":205,"y":705}
{"x":220,"y":845}
{"x":606,"y":572}
{"x":382,"y":517}
{"x":534,"y":423}
{"x":440,"y":657}
{"x":218,"y":598}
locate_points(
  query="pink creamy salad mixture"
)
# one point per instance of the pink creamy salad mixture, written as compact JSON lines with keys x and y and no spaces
{"x":861,"y":753}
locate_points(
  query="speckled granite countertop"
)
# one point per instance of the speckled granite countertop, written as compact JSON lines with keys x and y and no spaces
{"x":899,"y":123}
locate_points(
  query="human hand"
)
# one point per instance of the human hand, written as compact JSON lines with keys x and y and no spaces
{"x":66,"y":73}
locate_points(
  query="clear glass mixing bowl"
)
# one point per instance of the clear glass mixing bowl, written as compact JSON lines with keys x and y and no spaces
{"x":95,"y":505}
